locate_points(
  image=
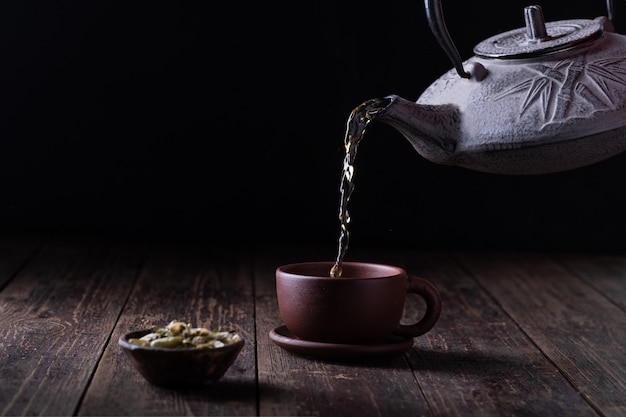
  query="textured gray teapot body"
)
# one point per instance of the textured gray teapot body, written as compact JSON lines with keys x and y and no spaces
{"x":524,"y":114}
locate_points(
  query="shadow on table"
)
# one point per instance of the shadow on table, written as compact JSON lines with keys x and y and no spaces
{"x":466,"y":362}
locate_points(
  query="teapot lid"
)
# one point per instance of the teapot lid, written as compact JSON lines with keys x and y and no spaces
{"x":539,"y":38}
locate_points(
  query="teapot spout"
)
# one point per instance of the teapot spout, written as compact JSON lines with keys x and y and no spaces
{"x":433,"y":130}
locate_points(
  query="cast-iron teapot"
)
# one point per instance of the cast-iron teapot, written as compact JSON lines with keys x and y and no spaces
{"x":545,"y":98}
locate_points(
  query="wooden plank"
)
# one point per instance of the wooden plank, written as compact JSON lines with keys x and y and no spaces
{"x":205,"y":286}
{"x":476,"y":361}
{"x":605,"y":273}
{"x":520,"y":334}
{"x":577,"y":328}
{"x":56,"y":317}
{"x":14,"y":253}
{"x":295,"y":385}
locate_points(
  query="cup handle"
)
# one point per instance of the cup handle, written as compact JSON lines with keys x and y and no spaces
{"x":430,"y":294}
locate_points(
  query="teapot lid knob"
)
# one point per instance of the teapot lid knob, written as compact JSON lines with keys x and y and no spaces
{"x":535,"y":24}
{"x":539,"y":38}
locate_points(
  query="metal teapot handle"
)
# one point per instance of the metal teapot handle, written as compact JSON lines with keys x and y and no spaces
{"x":609,"y":9}
{"x":437,"y":25}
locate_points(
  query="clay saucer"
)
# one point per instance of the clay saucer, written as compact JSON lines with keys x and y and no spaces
{"x":393,"y":345}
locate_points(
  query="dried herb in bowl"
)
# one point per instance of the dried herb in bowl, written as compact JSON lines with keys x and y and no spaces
{"x":180,"y":335}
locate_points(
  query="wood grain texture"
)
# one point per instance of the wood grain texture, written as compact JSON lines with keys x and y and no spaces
{"x":57,"y":316}
{"x":477,"y":361}
{"x":205,"y":286}
{"x":14,"y":253}
{"x":521,"y":334}
{"x":605,"y":273}
{"x":577,"y":328}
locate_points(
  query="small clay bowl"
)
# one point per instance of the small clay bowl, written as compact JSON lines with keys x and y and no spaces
{"x":173,"y":368}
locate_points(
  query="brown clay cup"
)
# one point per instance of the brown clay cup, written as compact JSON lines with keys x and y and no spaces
{"x":365,"y":305}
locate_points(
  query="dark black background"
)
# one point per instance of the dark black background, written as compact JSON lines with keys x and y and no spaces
{"x":224,"y":122}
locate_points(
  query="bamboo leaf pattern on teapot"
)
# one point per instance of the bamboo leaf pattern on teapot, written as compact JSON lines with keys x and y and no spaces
{"x":569,"y":88}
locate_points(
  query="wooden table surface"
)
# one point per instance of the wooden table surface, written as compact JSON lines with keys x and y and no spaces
{"x":520,"y":334}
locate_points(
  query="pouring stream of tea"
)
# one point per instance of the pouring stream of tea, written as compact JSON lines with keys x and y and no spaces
{"x":358,"y":121}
